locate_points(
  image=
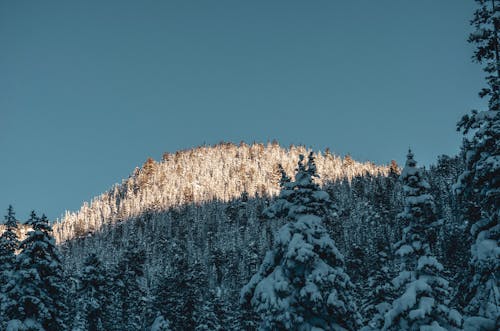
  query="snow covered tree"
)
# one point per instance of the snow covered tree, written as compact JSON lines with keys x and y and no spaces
{"x":424,"y":293}
{"x":378,"y":291}
{"x":92,"y":295}
{"x":8,"y":241}
{"x":131,"y":294}
{"x":37,"y":296}
{"x":302,"y":284}
{"x":206,"y":319}
{"x":8,"y":245}
{"x":302,"y":196}
{"x":479,"y":184}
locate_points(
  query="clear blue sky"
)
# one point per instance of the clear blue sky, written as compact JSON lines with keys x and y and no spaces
{"x":90,"y":89}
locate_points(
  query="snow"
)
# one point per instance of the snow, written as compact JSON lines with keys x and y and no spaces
{"x":160,"y":324}
{"x":431,"y":261}
{"x":477,"y":323}
{"x":424,"y":308}
{"x":433,"y":327}
{"x":321,"y":195}
{"x":486,"y":249}
{"x":455,"y":316}
{"x":404,"y":250}
{"x":27,"y":325}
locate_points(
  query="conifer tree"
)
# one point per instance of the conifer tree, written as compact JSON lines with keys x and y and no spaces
{"x":301,"y":284}
{"x":423,"y":292}
{"x":92,"y":295}
{"x":479,"y":184}
{"x":8,"y":245}
{"x":37,"y":297}
{"x":131,"y":290}
{"x":378,"y":292}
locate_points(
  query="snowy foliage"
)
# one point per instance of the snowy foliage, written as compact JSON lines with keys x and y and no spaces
{"x":302,"y":284}
{"x":93,"y":299}
{"x":36,"y":292}
{"x":479,"y":184}
{"x":8,"y":244}
{"x":424,"y":294}
{"x":160,"y":324}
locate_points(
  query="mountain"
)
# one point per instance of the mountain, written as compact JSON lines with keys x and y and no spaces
{"x":220,"y":173}
{"x":178,"y":239}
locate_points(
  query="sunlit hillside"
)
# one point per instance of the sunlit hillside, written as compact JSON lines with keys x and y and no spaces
{"x":222,"y":172}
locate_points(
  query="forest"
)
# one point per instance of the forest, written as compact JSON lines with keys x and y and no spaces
{"x":262,"y":237}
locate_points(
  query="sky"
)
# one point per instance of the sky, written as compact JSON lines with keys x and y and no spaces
{"x":90,"y":89}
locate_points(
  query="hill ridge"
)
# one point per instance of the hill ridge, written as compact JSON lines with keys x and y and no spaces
{"x":219,"y":172}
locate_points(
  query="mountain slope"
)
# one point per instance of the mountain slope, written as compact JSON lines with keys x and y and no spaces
{"x":222,"y":172}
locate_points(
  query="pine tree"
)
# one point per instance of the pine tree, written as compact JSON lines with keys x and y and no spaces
{"x":479,"y":184}
{"x":423,"y":292}
{"x":8,"y":245}
{"x":92,"y":294}
{"x":37,"y":299}
{"x":378,"y":292}
{"x":131,"y":291}
{"x":301,"y":284}
{"x":302,"y":196}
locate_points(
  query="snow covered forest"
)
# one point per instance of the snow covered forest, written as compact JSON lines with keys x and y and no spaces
{"x":248,"y":237}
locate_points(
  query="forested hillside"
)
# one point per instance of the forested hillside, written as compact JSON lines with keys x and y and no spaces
{"x":181,"y":237}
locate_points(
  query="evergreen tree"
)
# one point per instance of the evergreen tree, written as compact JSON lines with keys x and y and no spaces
{"x":8,"y":245}
{"x":378,"y":292}
{"x":92,"y":294}
{"x":424,"y":293}
{"x":302,"y":196}
{"x":479,"y":184}
{"x":131,"y":289}
{"x":301,"y":284}
{"x":37,"y":297}
{"x":179,"y":294}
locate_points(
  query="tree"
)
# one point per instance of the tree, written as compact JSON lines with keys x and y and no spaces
{"x":37,"y":297}
{"x":423,"y":292}
{"x":378,"y":292}
{"x":8,"y":245}
{"x":479,"y":184}
{"x":92,"y":294}
{"x":301,"y":284}
{"x":130,"y":289}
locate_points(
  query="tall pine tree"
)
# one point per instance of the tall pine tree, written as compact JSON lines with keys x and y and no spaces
{"x":8,"y":245}
{"x":302,"y":284}
{"x":479,"y":184}
{"x":92,"y":296}
{"x":423,"y":292}
{"x":37,"y":297}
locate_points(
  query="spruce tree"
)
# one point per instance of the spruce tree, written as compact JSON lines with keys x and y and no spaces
{"x":423,"y":292}
{"x":378,"y":291}
{"x":37,"y":298}
{"x":479,"y":184}
{"x":8,"y":245}
{"x":302,"y":284}
{"x":92,"y":295}
{"x":131,"y":291}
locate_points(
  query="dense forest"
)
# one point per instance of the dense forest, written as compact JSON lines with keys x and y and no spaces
{"x":247,"y":237}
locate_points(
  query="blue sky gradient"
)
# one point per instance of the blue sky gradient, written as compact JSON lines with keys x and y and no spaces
{"x":90,"y":89}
